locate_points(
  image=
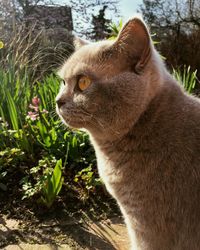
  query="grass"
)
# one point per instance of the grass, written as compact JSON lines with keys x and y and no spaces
{"x":32,"y":137}
{"x":186,"y":77}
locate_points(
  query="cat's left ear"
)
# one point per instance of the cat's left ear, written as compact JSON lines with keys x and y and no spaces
{"x":78,"y":43}
{"x":134,"y":43}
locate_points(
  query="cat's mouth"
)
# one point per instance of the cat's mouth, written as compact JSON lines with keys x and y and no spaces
{"x":73,"y":118}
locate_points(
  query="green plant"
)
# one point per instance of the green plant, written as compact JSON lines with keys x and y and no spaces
{"x":52,"y":185}
{"x":115,"y":29}
{"x":186,"y":78}
{"x":46,"y":181}
{"x":88,"y":180}
{"x":10,"y":158}
{"x":30,"y":51}
{"x":33,"y":182}
{"x":1,"y":45}
{"x":34,"y":145}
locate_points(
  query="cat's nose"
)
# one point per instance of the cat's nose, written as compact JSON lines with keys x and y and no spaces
{"x":60,"y":102}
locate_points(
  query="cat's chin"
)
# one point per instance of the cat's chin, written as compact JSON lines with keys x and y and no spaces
{"x":72,"y":123}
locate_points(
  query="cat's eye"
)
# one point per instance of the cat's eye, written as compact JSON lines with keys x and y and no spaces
{"x":63,"y":82}
{"x":84,"y":82}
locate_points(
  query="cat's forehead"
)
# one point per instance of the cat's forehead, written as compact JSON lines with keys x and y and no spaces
{"x":89,"y":55}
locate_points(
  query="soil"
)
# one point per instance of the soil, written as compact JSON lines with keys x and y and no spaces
{"x":69,"y":224}
{"x":66,"y":233}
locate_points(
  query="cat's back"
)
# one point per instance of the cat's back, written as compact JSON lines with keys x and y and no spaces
{"x":170,"y":129}
{"x":179,"y":117}
{"x":170,"y":140}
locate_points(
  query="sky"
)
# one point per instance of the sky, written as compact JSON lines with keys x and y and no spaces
{"x":127,"y":7}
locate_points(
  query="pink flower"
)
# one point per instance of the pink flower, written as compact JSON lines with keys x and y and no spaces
{"x":35,"y":113}
{"x":35,"y":108}
{"x":36,"y":101}
{"x":32,"y":115}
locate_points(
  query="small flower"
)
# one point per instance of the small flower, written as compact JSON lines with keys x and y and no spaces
{"x":5,"y":124}
{"x":1,"y":45}
{"x":36,"y":111}
{"x":32,"y":115}
{"x":44,"y":111}
{"x":36,"y":101}
{"x":35,"y":108}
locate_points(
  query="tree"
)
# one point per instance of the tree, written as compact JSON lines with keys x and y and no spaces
{"x":170,"y":14}
{"x":84,"y":11}
{"x":100,"y":25}
{"x":176,"y":24}
{"x":25,"y":5}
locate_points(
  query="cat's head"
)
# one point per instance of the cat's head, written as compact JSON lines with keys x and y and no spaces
{"x":108,"y":84}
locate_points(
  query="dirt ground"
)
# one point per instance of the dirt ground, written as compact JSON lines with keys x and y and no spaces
{"x":65,"y":233}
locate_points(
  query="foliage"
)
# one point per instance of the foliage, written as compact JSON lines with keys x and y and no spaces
{"x":186,"y":77}
{"x":101,"y":25}
{"x":37,"y":176}
{"x":165,"y":13}
{"x":33,"y":143}
{"x":30,"y":52}
{"x":82,"y":14}
{"x":177,"y":25}
{"x":115,"y":28}
{"x":48,"y":181}
{"x":9,"y":159}
{"x":1,"y":45}
{"x":52,"y":185}
{"x":87,"y":180}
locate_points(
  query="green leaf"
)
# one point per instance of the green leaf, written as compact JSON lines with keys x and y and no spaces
{"x":56,"y":177}
{"x":53,"y":185}
{"x":59,"y":185}
{"x":47,"y":141}
{"x":53,"y":134}
{"x":12,"y":111}
{"x":1,"y":45}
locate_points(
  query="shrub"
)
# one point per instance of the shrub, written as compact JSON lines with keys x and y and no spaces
{"x":186,"y":78}
{"x":33,"y":142}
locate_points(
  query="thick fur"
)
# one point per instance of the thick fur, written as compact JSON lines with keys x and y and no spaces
{"x":146,"y":133}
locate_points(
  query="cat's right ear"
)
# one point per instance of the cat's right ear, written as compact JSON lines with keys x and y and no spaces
{"x":78,"y":42}
{"x":134,"y":44}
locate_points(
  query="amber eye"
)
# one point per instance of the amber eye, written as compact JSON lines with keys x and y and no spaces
{"x":84,"y":82}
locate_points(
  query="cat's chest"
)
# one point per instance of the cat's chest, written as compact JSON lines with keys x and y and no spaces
{"x":127,"y":175}
{"x":107,"y":169}
{"x":112,"y":172}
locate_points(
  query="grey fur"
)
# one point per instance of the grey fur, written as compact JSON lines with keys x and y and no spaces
{"x":146,"y":133}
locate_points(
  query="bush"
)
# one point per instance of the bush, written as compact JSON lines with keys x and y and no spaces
{"x":33,"y":141}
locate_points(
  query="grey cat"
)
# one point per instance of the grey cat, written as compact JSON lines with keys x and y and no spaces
{"x":146,"y":133}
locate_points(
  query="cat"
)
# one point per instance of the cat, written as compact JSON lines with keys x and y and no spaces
{"x":145,"y":130}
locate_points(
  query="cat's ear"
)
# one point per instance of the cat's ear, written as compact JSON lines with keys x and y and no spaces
{"x":78,"y":42}
{"x":134,"y":42}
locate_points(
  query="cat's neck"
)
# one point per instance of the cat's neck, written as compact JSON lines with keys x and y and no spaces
{"x":143,"y":126}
